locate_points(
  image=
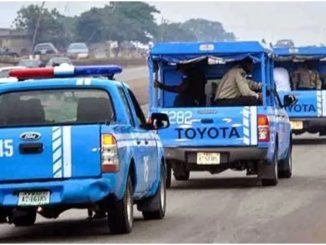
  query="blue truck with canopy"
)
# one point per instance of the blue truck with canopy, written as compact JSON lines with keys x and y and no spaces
{"x":71,"y":138}
{"x":309,"y":113}
{"x":216,"y":138}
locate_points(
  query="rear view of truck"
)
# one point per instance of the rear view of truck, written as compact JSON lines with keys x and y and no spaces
{"x":309,"y":113}
{"x":212,"y":138}
{"x":66,"y":143}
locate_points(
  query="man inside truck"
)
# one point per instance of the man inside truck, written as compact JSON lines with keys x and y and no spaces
{"x":306,"y":78}
{"x":191,"y":91}
{"x":236,"y":90}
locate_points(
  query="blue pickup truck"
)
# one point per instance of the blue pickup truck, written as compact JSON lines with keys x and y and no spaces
{"x":309,"y":113}
{"x":216,"y":138}
{"x":71,"y":138}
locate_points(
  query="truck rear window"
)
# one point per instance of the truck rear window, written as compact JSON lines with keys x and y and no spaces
{"x":53,"y":107}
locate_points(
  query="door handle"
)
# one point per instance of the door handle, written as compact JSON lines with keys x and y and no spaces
{"x":34,"y":148}
{"x":207,"y":120}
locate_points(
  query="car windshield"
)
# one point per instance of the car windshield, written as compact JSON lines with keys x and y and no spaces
{"x":53,"y":107}
{"x":78,"y":46}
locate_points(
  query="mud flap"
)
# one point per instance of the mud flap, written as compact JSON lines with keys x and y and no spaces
{"x":265,"y":170}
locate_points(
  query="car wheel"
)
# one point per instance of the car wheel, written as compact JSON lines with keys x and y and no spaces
{"x":273,"y":179}
{"x":182,"y":175}
{"x":159,"y":200}
{"x":23,"y":217}
{"x":168,"y":175}
{"x":285,"y":166}
{"x":121,"y":213}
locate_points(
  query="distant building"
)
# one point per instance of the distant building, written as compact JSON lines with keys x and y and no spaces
{"x":15,"y":40}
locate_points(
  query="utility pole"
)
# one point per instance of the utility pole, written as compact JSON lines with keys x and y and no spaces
{"x":37,"y":24}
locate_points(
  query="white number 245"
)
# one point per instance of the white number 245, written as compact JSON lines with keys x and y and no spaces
{"x":6,"y":148}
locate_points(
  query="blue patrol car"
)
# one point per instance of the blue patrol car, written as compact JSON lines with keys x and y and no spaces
{"x":216,"y":138}
{"x":309,"y":113}
{"x":74,"y":139}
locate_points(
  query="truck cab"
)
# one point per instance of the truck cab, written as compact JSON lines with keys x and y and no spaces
{"x":216,"y":138}
{"x":309,"y":113}
{"x":71,"y":138}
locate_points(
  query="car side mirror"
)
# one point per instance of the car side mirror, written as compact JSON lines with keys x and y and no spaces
{"x":289,"y":100}
{"x":158,"y":121}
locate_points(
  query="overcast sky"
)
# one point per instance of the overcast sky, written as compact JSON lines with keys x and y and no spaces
{"x":304,"y":22}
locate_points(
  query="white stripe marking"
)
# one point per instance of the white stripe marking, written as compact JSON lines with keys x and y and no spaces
{"x":253,"y":123}
{"x":246,"y":131}
{"x":55,"y":144}
{"x":58,"y":175}
{"x":56,"y":155}
{"x":57,"y":166}
{"x":80,"y":81}
{"x":67,"y":151}
{"x":87,"y":81}
{"x":323,"y":103}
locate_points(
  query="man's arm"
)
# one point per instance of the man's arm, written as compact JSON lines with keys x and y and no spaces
{"x":174,"y":89}
{"x":254,"y":85}
{"x":243,"y":86}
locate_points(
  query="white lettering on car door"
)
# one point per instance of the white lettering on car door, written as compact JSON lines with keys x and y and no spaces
{"x":6,"y":148}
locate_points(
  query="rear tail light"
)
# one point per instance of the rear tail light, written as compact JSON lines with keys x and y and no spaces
{"x":263,"y":128}
{"x":109,"y":154}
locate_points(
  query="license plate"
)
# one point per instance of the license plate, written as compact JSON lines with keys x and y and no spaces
{"x":296,"y":124}
{"x":205,"y":158}
{"x":33,"y":198}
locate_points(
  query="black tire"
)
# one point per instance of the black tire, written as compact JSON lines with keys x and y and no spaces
{"x":120,"y":214}
{"x":23,"y":217}
{"x":168,"y":175}
{"x":159,"y":200}
{"x":285,"y":166}
{"x":274,"y":172}
{"x":181,"y":174}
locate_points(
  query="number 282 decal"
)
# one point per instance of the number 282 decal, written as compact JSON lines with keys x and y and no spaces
{"x":179,"y":117}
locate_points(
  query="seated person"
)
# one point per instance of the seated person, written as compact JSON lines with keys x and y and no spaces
{"x":282,"y":79}
{"x":236,"y":90}
{"x":191,"y":91}
{"x":306,"y":78}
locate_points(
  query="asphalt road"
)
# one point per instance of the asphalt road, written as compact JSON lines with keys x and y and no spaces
{"x":228,"y":207}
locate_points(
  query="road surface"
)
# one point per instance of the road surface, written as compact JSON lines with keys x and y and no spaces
{"x":228,"y":207}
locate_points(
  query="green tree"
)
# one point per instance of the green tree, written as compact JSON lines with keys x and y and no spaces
{"x":206,"y":30}
{"x":52,"y":25}
{"x":173,"y":32}
{"x":119,"y":21}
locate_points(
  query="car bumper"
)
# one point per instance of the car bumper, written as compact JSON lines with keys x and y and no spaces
{"x":227,"y":154}
{"x":312,"y":125}
{"x":79,"y":191}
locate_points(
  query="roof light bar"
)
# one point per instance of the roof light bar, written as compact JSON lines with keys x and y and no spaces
{"x":65,"y":71}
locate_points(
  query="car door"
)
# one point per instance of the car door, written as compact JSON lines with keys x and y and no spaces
{"x":283,"y":126}
{"x":146,"y":141}
{"x":138,"y":151}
